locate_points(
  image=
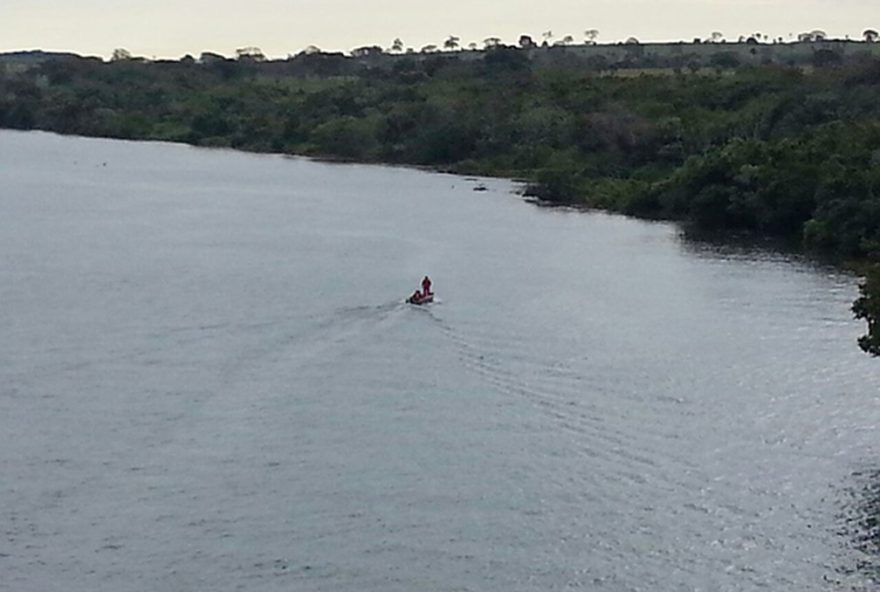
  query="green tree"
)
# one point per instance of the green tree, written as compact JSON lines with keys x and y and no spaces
{"x":867,"y":307}
{"x":120,"y":54}
{"x":346,"y":137}
{"x":250,"y":53}
{"x":366,"y":51}
{"x":526,"y":42}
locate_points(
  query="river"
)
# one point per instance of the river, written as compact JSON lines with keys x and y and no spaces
{"x":209,"y":381}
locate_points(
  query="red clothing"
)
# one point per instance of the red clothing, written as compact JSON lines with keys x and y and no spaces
{"x":426,"y":285}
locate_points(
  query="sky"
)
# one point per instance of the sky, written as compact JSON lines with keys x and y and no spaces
{"x":174,"y":28}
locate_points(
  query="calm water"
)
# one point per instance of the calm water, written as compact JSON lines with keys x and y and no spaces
{"x":208,"y":382}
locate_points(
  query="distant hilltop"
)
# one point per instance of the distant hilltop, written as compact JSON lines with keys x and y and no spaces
{"x":18,"y":61}
{"x":682,"y":55}
{"x":631,"y":54}
{"x":35,"y":56}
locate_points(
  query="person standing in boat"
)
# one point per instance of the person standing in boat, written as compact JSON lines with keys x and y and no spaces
{"x":426,"y":287}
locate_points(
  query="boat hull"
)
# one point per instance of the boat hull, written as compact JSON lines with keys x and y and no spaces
{"x":422,"y":300}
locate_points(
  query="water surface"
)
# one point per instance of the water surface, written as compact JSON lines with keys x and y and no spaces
{"x":208,"y":381}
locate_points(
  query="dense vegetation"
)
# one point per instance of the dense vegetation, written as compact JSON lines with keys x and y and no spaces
{"x":771,"y":150}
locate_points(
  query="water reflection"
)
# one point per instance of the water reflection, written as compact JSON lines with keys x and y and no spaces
{"x":861,"y":527}
{"x":740,"y":245}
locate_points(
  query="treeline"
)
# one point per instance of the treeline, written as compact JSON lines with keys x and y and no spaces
{"x":769,"y":150}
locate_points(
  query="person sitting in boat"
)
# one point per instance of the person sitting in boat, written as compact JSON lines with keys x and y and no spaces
{"x":426,"y":286}
{"x":416,"y":296}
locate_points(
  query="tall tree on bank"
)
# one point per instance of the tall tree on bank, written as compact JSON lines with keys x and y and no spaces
{"x":867,"y":307}
{"x":250,"y":53}
{"x":451,"y":43}
{"x":120,"y":54}
{"x":526,"y":42}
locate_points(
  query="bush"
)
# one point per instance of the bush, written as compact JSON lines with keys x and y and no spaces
{"x":867,"y":307}
{"x":346,"y":137}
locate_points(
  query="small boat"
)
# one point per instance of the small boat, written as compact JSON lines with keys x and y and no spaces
{"x":420,"y":299}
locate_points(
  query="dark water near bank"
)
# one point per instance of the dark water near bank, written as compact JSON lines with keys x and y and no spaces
{"x":208,"y":382}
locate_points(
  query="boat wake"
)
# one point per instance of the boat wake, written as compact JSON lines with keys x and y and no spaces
{"x":568,"y":393}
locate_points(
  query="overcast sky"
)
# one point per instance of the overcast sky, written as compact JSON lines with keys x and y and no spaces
{"x":173,"y":28}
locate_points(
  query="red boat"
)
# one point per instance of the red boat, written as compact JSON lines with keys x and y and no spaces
{"x":420,"y":298}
